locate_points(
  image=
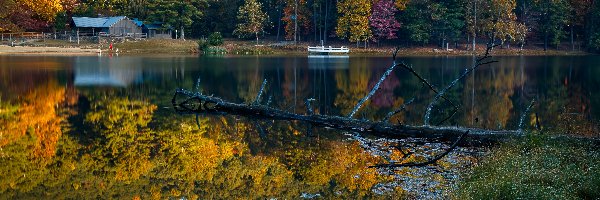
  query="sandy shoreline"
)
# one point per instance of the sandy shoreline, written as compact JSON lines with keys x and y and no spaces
{"x":7,"y":50}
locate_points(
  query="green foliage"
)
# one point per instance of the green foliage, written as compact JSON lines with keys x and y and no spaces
{"x":553,"y":19}
{"x":211,"y":45}
{"x":594,"y":39}
{"x":176,"y":13}
{"x":60,"y":21}
{"x":215,"y":39}
{"x":203,"y":44}
{"x":536,"y":167}
{"x":7,"y":110}
{"x":418,"y":19}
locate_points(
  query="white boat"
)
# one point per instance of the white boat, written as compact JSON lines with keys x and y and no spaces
{"x":327,"y":50}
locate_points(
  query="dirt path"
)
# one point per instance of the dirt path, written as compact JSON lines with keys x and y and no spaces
{"x":44,"y":50}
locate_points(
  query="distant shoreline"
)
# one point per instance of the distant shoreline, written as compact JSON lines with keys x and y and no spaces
{"x":236,"y":47}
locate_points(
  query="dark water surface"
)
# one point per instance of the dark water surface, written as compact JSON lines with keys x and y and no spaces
{"x":103,"y":127}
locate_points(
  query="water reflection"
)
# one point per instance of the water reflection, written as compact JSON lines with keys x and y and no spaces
{"x":108,"y":71}
{"x":117,"y":137}
{"x":328,"y":61}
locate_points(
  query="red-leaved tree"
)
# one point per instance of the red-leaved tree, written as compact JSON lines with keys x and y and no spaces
{"x":383,"y":21}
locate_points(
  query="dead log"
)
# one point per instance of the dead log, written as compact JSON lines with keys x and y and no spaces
{"x":186,"y":102}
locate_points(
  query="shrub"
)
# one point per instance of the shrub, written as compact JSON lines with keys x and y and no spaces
{"x":215,"y":39}
{"x":203,"y":44}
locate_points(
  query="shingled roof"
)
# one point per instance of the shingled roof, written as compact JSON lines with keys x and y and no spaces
{"x":96,"y":22}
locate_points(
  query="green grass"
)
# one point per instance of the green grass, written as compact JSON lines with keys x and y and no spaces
{"x":536,"y":167}
{"x":152,"y":46}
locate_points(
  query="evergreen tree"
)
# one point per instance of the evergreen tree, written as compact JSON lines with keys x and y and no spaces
{"x":176,"y":13}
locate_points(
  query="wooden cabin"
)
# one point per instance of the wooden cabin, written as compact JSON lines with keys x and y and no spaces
{"x":107,"y":26}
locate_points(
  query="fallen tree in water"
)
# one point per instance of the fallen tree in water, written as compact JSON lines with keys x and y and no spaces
{"x":188,"y":102}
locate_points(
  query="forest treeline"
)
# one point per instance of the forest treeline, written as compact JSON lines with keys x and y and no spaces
{"x":559,"y":24}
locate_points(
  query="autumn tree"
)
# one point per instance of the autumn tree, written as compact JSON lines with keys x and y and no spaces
{"x":252,"y":19}
{"x":383,"y":20}
{"x":296,"y":16}
{"x":44,"y":9}
{"x":6,"y":24}
{"x":503,"y":22}
{"x":353,"y":21}
{"x":124,"y":141}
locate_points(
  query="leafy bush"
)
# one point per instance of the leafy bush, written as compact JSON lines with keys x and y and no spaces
{"x":203,"y":44}
{"x":215,"y":39}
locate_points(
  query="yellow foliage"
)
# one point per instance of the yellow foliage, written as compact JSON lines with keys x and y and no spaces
{"x":45,"y":9}
{"x":37,"y":116}
{"x":401,"y":4}
{"x":353,"y":21}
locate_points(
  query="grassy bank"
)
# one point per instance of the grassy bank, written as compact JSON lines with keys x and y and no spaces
{"x":535,"y":167}
{"x":265,"y":47}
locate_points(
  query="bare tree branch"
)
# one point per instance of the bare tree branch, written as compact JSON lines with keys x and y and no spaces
{"x":376,"y":87}
{"x":258,"y":99}
{"x":392,"y":113}
{"x":418,"y":164}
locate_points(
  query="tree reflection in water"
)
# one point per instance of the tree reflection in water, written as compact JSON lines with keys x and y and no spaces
{"x":58,"y":141}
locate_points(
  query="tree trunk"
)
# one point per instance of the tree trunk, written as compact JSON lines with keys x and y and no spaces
{"x":572,"y":44}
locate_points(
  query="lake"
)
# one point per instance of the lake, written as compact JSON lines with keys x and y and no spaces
{"x":104,"y":127}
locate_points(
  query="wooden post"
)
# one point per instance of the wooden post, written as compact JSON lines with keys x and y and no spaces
{"x":77,"y":36}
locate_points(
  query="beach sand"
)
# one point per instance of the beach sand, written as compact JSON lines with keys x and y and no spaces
{"x":4,"y":49}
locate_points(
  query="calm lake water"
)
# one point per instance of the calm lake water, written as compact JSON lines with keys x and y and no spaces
{"x":104,"y":127}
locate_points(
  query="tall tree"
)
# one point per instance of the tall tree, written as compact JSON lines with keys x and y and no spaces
{"x":252,"y":19}
{"x":553,"y":20}
{"x":383,"y":20}
{"x":594,"y":27}
{"x":503,"y":23}
{"x":176,"y":13}
{"x":474,"y":18}
{"x":296,"y":16}
{"x":418,"y":20}
{"x":353,"y":21}
{"x":449,"y":22}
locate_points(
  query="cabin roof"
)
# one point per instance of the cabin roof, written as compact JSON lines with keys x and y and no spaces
{"x":97,"y":22}
{"x":138,"y":22}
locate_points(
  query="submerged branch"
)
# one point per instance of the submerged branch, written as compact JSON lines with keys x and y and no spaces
{"x":260,"y":92}
{"x":419,"y":164}
{"x":403,"y":107}
{"x":524,"y":115}
{"x":462,"y":76}
{"x":375,"y":88}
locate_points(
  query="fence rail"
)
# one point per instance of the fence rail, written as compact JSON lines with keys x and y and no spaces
{"x":66,"y":35}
